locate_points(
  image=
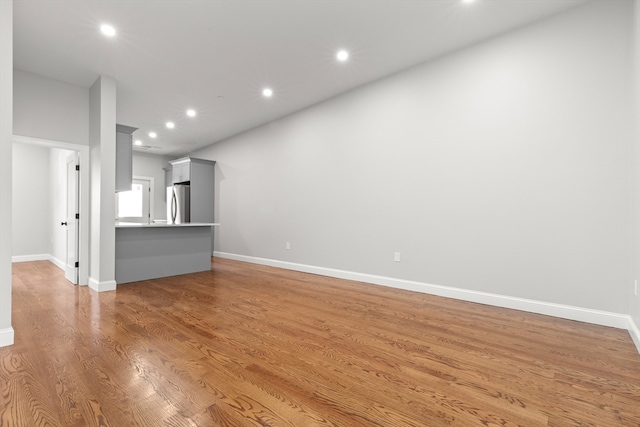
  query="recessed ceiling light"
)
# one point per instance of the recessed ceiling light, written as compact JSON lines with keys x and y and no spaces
{"x":468,"y":1}
{"x":267,"y":92}
{"x":171,"y":125}
{"x":191,"y":113}
{"x":342,"y":55}
{"x":152,"y":134}
{"x":137,"y":142}
{"x":108,"y":30}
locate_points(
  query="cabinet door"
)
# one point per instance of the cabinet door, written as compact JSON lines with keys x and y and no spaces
{"x":181,"y":172}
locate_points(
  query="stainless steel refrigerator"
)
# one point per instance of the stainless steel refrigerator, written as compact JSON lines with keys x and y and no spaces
{"x":178,"y":203}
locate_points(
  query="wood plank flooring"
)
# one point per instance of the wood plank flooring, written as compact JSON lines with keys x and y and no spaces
{"x":248,"y":345}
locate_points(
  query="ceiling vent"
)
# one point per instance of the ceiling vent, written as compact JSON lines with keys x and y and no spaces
{"x":145,"y":147}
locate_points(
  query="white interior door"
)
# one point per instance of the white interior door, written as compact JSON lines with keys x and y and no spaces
{"x":72,"y":220}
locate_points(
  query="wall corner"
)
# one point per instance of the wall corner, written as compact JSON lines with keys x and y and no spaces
{"x":6,"y":161}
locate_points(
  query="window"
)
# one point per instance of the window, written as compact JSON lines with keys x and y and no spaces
{"x":135,"y":205}
{"x":130,"y":202}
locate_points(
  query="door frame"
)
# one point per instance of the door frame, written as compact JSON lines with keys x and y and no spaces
{"x":83,"y":194}
{"x":71,"y":218}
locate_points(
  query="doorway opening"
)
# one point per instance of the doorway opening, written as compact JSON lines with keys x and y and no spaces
{"x":62,"y":176}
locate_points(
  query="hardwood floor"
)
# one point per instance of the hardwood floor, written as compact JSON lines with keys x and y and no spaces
{"x":248,"y":345}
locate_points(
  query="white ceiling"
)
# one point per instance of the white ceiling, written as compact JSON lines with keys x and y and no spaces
{"x":216,"y":56}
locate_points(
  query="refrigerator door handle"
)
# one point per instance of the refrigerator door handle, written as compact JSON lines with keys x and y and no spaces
{"x":174,"y":206}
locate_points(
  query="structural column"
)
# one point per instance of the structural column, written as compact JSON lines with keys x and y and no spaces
{"x":102,"y":145}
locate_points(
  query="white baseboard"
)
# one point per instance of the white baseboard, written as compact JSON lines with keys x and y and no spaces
{"x":27,"y":258}
{"x":634,"y":331}
{"x":6,"y":337}
{"x":603,"y":318}
{"x":108,"y":285}
{"x":39,"y":257}
{"x":57,"y":262}
{"x":63,"y":266}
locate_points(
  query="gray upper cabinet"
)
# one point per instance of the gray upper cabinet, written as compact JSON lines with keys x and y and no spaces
{"x":199,"y":173}
{"x":181,"y":170}
{"x":124,"y":157}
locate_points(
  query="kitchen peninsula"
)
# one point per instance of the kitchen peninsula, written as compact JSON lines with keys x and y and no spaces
{"x":151,"y":251}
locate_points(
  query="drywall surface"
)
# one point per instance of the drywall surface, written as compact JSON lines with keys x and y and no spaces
{"x":634,"y":236}
{"x":502,"y":168}
{"x":50,"y":109}
{"x":31,"y":202}
{"x":102,"y":184}
{"x":6,"y":159}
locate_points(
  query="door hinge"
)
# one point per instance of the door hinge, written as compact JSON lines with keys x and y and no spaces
{"x":77,"y":167}
{"x":77,"y":216}
{"x":77,"y":264}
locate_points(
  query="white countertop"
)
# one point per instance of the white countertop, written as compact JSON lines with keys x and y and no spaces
{"x":164,"y":224}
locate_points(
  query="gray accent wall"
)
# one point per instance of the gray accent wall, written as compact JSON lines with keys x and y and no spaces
{"x":506,"y":168}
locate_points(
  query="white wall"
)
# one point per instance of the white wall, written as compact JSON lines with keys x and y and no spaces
{"x":102,"y":142}
{"x":39,"y":202}
{"x":31,"y":208}
{"x":6,"y":159}
{"x":50,"y":109}
{"x":503,"y":168}
{"x":634,"y":298}
{"x":151,"y":165}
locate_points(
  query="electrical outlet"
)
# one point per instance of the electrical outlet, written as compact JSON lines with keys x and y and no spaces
{"x":396,"y":256}
{"x":287,"y":246}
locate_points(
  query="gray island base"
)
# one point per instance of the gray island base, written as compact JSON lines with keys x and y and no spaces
{"x":151,"y":251}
